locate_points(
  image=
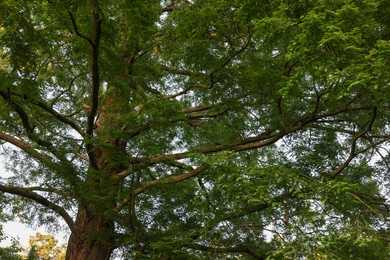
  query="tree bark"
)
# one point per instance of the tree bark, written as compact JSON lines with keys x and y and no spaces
{"x":93,"y":235}
{"x":92,"y":239}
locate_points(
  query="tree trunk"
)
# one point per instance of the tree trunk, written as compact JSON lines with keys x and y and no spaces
{"x":93,"y":236}
{"x":92,"y":239}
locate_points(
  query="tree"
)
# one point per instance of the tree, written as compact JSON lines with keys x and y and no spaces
{"x":10,"y":252}
{"x":186,"y":129}
{"x":45,"y":247}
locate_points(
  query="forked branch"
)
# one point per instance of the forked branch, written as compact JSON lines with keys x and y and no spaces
{"x":76,"y":29}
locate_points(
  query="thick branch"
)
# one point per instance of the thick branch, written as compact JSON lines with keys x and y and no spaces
{"x":26,"y":193}
{"x":46,"y":160}
{"x":53,"y":112}
{"x":25,"y":120}
{"x":261,"y":140}
{"x":264,"y":139}
{"x":29,"y":149}
{"x":94,"y":72}
{"x":94,"y":96}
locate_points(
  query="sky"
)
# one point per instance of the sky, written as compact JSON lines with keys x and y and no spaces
{"x":19,"y":231}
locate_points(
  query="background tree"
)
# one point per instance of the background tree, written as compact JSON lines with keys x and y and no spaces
{"x":10,"y":252}
{"x":186,"y":129}
{"x":45,"y":247}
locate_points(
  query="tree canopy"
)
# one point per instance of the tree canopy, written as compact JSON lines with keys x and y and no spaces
{"x":199,"y":129}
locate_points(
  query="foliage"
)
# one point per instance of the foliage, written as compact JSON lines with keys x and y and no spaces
{"x":45,"y":247}
{"x":199,"y":129}
{"x":10,"y":252}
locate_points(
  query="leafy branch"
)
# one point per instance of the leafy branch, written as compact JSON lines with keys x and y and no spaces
{"x":27,"y":193}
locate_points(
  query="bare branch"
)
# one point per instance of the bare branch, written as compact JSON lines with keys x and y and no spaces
{"x":184,"y":91}
{"x":82,"y":156}
{"x":367,"y":205}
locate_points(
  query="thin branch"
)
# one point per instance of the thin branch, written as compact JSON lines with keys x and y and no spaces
{"x":187,"y":89}
{"x":189,"y":119}
{"x":184,"y":91}
{"x":170,"y":8}
{"x":27,"y":193}
{"x":353,"y":153}
{"x":179,"y":165}
{"x":170,"y":179}
{"x":81,"y":156}
{"x":77,"y":30}
{"x":243,"y":48}
{"x":244,"y":211}
{"x":208,"y":115}
{"x":73,"y":113}
{"x":68,"y":89}
{"x":201,"y":108}
{"x":236,"y":249}
{"x":227,"y":216}
{"x":183,"y":71}
{"x":368,"y":206}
